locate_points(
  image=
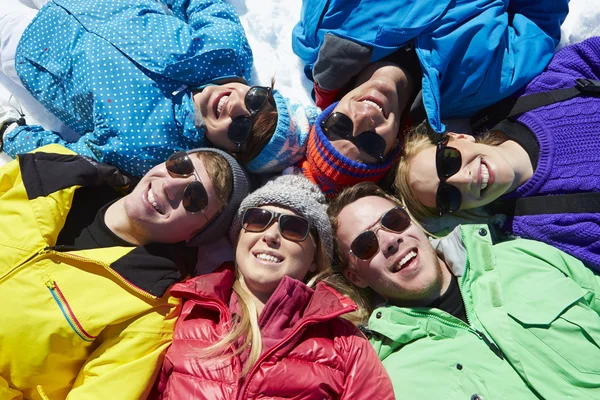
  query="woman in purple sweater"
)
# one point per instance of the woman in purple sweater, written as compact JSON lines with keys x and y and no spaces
{"x":549,"y":150}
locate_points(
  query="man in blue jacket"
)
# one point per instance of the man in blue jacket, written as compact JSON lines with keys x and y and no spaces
{"x":467,"y":318}
{"x":472,"y":53}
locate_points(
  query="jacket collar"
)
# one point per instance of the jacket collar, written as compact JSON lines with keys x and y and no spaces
{"x":323,"y":303}
{"x":452,"y":250}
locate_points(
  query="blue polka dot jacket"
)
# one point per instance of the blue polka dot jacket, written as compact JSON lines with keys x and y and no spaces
{"x":120,"y":74}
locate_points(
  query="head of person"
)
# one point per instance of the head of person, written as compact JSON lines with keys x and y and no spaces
{"x":191,"y":198}
{"x":441,"y":174}
{"x":358,"y":138}
{"x":264,"y":130}
{"x":378,"y":246}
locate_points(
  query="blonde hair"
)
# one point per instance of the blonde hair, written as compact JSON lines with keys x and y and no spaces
{"x":246,"y":325}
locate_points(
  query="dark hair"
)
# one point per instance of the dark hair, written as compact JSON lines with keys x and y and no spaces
{"x":220,"y":174}
{"x":262,"y":130}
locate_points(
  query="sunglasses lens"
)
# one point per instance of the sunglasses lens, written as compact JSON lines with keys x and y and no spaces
{"x":256,"y":98}
{"x":447,"y":161}
{"x":240,"y":130}
{"x":365,"y":246}
{"x":396,"y":220}
{"x":339,"y":124}
{"x":372,"y":144}
{"x":180,"y":164}
{"x":195,"y":198}
{"x":294,"y":228}
{"x":256,"y":219}
{"x":447,"y":199}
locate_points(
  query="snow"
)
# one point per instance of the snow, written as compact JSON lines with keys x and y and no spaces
{"x":269,"y":23}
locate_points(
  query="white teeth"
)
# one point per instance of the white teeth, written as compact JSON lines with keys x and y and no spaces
{"x":485,"y":176}
{"x":405,"y":260}
{"x":268,"y":257}
{"x":372,"y":103}
{"x":222,"y":101}
{"x":152,"y":200}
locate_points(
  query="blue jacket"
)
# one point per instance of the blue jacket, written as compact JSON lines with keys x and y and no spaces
{"x":120,"y":74}
{"x":472,"y":52}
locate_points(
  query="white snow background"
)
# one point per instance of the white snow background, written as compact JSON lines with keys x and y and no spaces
{"x":269,"y":24}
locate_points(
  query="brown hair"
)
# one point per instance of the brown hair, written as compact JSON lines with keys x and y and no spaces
{"x":262,"y":130}
{"x":220,"y":174}
{"x":418,"y":139}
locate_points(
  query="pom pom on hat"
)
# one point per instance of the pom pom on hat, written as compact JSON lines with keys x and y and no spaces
{"x":331,"y":170}
{"x":287,"y":146}
{"x":295,"y":193}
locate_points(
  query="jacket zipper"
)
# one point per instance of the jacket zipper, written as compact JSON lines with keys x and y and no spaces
{"x":284,"y":341}
{"x":105,"y":266}
{"x":31,"y":257}
{"x":481,"y":335}
{"x":63,"y":304}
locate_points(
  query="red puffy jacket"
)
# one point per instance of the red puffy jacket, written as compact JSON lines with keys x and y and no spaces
{"x":320,"y":356}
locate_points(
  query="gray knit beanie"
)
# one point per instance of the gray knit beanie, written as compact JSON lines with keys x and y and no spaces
{"x":219,"y":227}
{"x":295,"y":193}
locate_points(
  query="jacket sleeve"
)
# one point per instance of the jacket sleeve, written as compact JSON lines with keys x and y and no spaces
{"x":127,"y":360}
{"x":206,"y":42}
{"x":102,"y":144}
{"x":548,"y":15}
{"x":366,"y":377}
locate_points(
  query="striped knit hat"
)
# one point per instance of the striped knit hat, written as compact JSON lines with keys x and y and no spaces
{"x":331,"y":170}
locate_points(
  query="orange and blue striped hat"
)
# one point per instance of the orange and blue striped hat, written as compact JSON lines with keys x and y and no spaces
{"x":331,"y":170}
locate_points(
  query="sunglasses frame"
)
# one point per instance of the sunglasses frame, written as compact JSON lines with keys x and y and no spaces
{"x":242,"y":118}
{"x":443,"y":185}
{"x":375,"y":228}
{"x":277,"y":216}
{"x":355,"y":139}
{"x":194,"y":173}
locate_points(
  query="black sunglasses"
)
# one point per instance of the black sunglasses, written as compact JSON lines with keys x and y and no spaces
{"x":341,"y":125}
{"x":240,"y":129}
{"x":291,"y":227}
{"x":195,"y":197}
{"x":366,"y":245}
{"x":448,"y":162}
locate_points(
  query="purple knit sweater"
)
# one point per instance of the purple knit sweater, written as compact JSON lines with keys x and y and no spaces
{"x":569,"y":162}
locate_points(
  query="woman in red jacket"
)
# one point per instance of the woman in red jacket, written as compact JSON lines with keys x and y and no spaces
{"x":258,"y":330}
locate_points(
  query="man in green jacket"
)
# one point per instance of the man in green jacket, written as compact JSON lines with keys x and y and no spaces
{"x":465,"y":318}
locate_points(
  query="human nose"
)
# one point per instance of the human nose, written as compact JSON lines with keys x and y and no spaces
{"x":174,"y":188}
{"x":271,"y":235}
{"x":364,"y":119}
{"x":464,"y":180}
{"x":389,"y":242}
{"x":236,"y":105}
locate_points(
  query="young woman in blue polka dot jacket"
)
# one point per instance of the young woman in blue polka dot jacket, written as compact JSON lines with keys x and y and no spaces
{"x":139,"y":79}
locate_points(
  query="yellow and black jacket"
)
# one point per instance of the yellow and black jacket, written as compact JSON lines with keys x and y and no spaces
{"x":76,"y":324}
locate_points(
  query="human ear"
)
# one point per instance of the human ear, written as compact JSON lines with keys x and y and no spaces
{"x":355,"y":278}
{"x":462,"y":136}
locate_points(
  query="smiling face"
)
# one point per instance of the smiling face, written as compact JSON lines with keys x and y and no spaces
{"x":485,"y":173}
{"x":375,"y":104}
{"x":219,"y":105}
{"x":406,"y":270}
{"x":264,"y":258}
{"x":154,"y":209}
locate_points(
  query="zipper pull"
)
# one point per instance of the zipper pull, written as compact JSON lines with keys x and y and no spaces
{"x":49,"y":282}
{"x":490,"y":344}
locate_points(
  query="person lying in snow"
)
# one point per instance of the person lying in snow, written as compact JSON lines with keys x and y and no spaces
{"x":539,"y":167}
{"x":467,"y":318}
{"x":86,"y":272}
{"x":140,"y":80}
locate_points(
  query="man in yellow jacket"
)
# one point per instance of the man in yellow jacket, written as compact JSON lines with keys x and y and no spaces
{"x":85,"y":273}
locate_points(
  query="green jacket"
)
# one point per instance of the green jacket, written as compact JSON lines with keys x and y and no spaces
{"x":533,"y":332}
